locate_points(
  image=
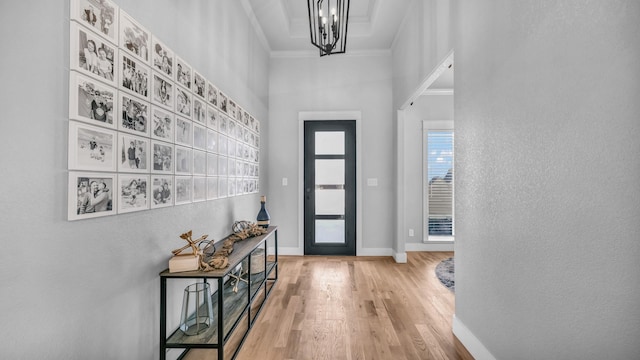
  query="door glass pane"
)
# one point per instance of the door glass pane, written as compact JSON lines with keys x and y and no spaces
{"x":329,"y":172}
{"x":329,"y":202}
{"x":330,"y":231}
{"x":330,"y":143}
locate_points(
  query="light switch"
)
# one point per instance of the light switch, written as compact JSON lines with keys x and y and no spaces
{"x":372,"y":182}
{"x":285,"y":181}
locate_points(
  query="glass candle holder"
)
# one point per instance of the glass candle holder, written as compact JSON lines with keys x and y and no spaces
{"x":197,"y":311}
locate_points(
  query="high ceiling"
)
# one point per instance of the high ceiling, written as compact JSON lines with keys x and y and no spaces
{"x":373,"y":24}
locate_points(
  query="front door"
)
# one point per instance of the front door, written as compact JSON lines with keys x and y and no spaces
{"x":330,"y":187}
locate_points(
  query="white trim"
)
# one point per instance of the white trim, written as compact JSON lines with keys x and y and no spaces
{"x":292,"y":251}
{"x":276,"y":54}
{"x":330,"y":115}
{"x":470,"y":342}
{"x":256,"y":25}
{"x":438,"y":92}
{"x":429,"y":246}
{"x":400,"y":258}
{"x":430,"y":79}
{"x":375,"y":252}
{"x":399,"y":243}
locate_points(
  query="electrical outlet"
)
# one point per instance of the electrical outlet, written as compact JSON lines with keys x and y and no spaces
{"x":285,"y":181}
{"x":411,"y":232}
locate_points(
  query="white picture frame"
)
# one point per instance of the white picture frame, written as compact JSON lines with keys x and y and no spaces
{"x":134,"y":75}
{"x":162,"y":159}
{"x":162,"y":91}
{"x":134,"y":115}
{"x":183,"y":160}
{"x":223,"y":166}
{"x":199,"y":87}
{"x":134,"y":38}
{"x":212,"y":188}
{"x":212,"y":141}
{"x":199,"y":137}
{"x":92,"y":101}
{"x":133,"y":192}
{"x":223,"y":145}
{"x":222,"y":102}
{"x":162,"y":58}
{"x":199,"y":189}
{"x":183,"y":73}
{"x":183,"y":131}
{"x":223,"y":187}
{"x":87,"y":200}
{"x":162,"y":124}
{"x":92,"y":55}
{"x":199,"y":111}
{"x":184,"y":102}
{"x":91,"y":148}
{"x":212,"y":118}
{"x":133,"y":153}
{"x":162,"y":188}
{"x":101,"y":16}
{"x":183,"y":189}
{"x":199,"y":163}
{"x":212,"y":94}
{"x":212,"y":164}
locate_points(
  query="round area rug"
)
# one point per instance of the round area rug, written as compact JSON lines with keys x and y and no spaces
{"x":445,"y":273}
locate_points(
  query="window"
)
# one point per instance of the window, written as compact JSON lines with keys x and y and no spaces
{"x":439,"y":219}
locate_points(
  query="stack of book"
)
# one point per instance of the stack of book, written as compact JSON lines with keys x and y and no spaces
{"x":184,"y":262}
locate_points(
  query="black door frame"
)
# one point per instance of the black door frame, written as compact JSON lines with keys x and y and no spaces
{"x":350,"y":217}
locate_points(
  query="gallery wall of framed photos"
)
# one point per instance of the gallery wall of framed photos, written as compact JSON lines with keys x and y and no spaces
{"x":146,"y":130}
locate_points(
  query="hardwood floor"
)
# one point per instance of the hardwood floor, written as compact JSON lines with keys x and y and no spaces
{"x":355,"y":308}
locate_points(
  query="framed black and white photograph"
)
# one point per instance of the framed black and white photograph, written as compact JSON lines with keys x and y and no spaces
{"x":222,"y":102}
{"x":199,"y":163}
{"x":184,"y":160}
{"x":91,"y":101}
{"x":231,"y":148}
{"x":162,"y":124}
{"x":161,"y":191}
{"x":222,"y":187}
{"x":134,"y":38}
{"x":231,"y":167}
{"x":133,"y":153}
{"x":184,"y":102}
{"x":162,"y":157}
{"x":99,"y":15}
{"x":212,"y":141}
{"x":212,"y":118}
{"x":223,"y":145}
{"x":199,"y":137}
{"x":239,"y":132}
{"x":92,"y":54}
{"x":222,"y":165}
{"x":252,"y":123}
{"x":199,"y":188}
{"x":162,"y":91}
{"x":199,"y":85}
{"x":91,"y":147}
{"x":231,"y":128}
{"x":245,"y":118}
{"x":246,"y":136}
{"x":212,"y":164}
{"x":239,"y":150}
{"x":184,"y":131}
{"x":162,"y":58}
{"x":133,"y":192}
{"x":183,"y":189}
{"x":223,"y":122}
{"x":199,"y":111}
{"x":134,"y":115}
{"x":212,"y":94}
{"x":91,"y":195}
{"x":232,"y":109}
{"x":135,"y":76}
{"x":231,"y":187}
{"x":212,"y":188}
{"x":239,"y":112}
{"x":183,"y":73}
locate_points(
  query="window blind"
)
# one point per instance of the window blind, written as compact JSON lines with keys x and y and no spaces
{"x":439,"y":190}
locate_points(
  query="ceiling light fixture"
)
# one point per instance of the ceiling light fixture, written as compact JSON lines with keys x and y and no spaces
{"x":328,"y":21}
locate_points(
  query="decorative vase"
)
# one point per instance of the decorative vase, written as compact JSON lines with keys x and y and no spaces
{"x":263,"y":216}
{"x":197,"y":311}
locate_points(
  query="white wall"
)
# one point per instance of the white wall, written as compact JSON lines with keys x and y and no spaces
{"x":334,"y":83}
{"x":425,"y":108}
{"x":547,"y":194}
{"x":90,"y":289}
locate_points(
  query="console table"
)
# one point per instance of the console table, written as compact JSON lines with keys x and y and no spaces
{"x":236,"y":305}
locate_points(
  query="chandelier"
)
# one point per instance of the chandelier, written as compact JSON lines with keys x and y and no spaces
{"x":328,"y":22}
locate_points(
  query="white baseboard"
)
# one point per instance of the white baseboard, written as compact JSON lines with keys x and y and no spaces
{"x":400,"y":258}
{"x":295,"y":251}
{"x":470,"y":342}
{"x":374,"y":252}
{"x":429,"y":247}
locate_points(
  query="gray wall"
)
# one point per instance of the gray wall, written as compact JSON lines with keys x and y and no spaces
{"x":547,"y":191}
{"x":90,"y":289}
{"x":334,"y":83}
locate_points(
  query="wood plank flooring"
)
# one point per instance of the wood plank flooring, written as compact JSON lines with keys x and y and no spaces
{"x":355,"y":308}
